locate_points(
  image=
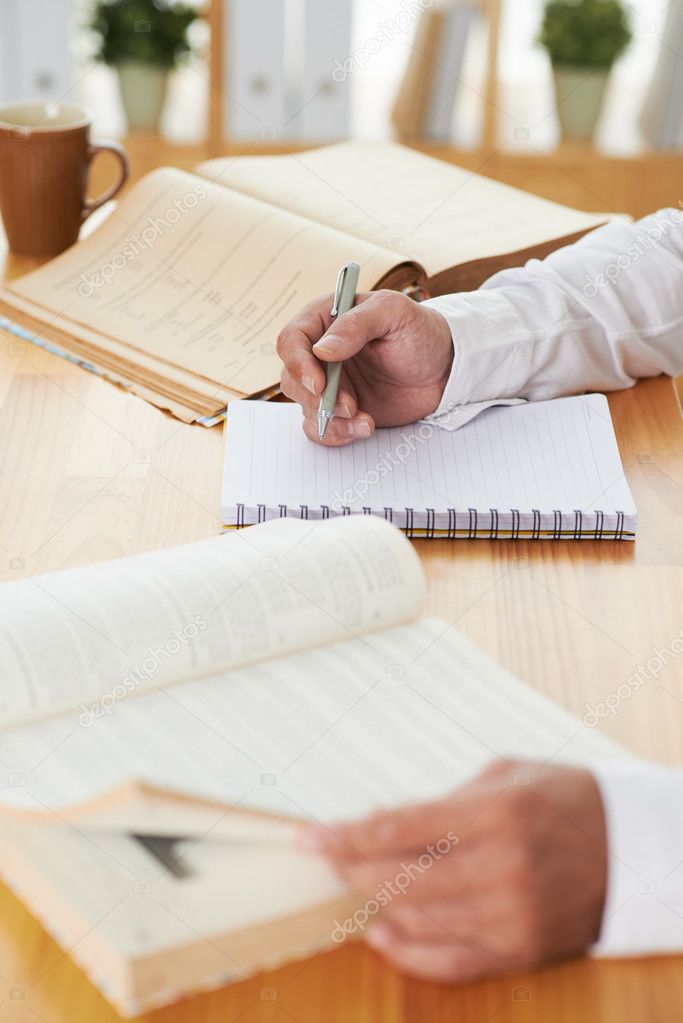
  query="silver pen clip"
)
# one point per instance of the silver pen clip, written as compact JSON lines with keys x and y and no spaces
{"x":341,"y":277}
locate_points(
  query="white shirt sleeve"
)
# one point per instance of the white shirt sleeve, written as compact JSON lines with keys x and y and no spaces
{"x":643,"y":912}
{"x":595,"y":315}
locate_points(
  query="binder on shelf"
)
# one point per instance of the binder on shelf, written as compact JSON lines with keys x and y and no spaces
{"x":323,"y":99}
{"x":255,"y":106}
{"x":35,"y":65}
{"x":287,"y":69}
{"x":446,"y":79}
{"x":662,"y":116}
{"x":427,"y":95}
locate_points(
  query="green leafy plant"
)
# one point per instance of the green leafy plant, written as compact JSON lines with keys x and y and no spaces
{"x":585,"y":33}
{"x":146,"y":31}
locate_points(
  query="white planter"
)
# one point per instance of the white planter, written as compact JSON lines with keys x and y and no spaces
{"x":143,"y":91}
{"x":579,"y":93}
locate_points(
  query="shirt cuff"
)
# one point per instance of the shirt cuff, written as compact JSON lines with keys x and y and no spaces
{"x":643,"y":912}
{"x":491,"y":356}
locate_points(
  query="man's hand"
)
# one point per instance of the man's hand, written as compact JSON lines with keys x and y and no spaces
{"x":397,"y":358}
{"x":505,"y":874}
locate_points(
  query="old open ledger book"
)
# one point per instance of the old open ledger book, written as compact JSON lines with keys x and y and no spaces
{"x":182,"y":291}
{"x":169,"y":720}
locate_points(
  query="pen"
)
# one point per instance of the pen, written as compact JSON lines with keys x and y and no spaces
{"x":344,"y":297}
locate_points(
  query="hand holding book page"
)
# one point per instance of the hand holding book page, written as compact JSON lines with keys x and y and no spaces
{"x":383,"y":715}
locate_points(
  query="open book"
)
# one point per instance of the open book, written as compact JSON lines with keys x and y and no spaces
{"x":169,"y":720}
{"x":181,"y":293}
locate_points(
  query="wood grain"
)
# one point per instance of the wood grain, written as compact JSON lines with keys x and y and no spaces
{"x":88,"y":472}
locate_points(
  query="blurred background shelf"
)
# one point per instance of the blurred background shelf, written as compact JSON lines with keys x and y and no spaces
{"x":495,"y":76}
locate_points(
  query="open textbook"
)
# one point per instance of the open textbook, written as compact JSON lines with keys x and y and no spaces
{"x":170,"y":719}
{"x":182,"y":291}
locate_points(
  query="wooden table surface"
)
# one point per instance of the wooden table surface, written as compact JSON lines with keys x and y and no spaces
{"x":88,"y":472}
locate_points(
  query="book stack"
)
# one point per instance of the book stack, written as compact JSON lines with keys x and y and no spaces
{"x":426,"y":100}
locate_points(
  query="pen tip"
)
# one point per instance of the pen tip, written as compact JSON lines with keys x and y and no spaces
{"x":322,"y":426}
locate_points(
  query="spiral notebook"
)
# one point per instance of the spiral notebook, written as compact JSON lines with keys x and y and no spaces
{"x":543,"y":470}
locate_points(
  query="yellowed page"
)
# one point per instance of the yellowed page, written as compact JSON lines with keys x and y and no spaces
{"x":392,"y":196}
{"x":111,"y":354}
{"x":94,"y":636}
{"x":142,"y":809}
{"x":198,"y":277}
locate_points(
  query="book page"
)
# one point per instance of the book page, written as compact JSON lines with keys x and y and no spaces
{"x":391,"y":717}
{"x":433,"y":212}
{"x":97,"y":634}
{"x":198,"y":277}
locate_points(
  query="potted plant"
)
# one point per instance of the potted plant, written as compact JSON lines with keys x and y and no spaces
{"x":143,"y":40}
{"x":583,"y":39}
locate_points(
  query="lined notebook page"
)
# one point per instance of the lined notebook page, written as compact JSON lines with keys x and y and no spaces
{"x":545,"y":468}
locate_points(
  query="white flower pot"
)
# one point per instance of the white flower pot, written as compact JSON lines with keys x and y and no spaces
{"x":579,"y":93}
{"x":143,"y":91}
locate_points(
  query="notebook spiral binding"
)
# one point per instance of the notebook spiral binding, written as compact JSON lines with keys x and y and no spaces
{"x":578,"y":528}
{"x":557,"y":524}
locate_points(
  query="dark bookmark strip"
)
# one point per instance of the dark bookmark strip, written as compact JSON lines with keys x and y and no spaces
{"x":165,"y":852}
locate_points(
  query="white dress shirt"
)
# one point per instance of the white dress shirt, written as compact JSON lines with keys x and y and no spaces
{"x":594,"y":316}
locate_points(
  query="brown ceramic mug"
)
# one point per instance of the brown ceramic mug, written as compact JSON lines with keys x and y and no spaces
{"x":45,"y":155}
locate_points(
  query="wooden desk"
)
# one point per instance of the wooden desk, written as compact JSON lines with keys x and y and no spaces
{"x":88,"y":472}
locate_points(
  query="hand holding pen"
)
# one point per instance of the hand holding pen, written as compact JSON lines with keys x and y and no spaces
{"x":344,"y":298}
{"x":396,"y":354}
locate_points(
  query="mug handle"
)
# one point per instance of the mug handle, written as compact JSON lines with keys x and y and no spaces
{"x":120,"y":153}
